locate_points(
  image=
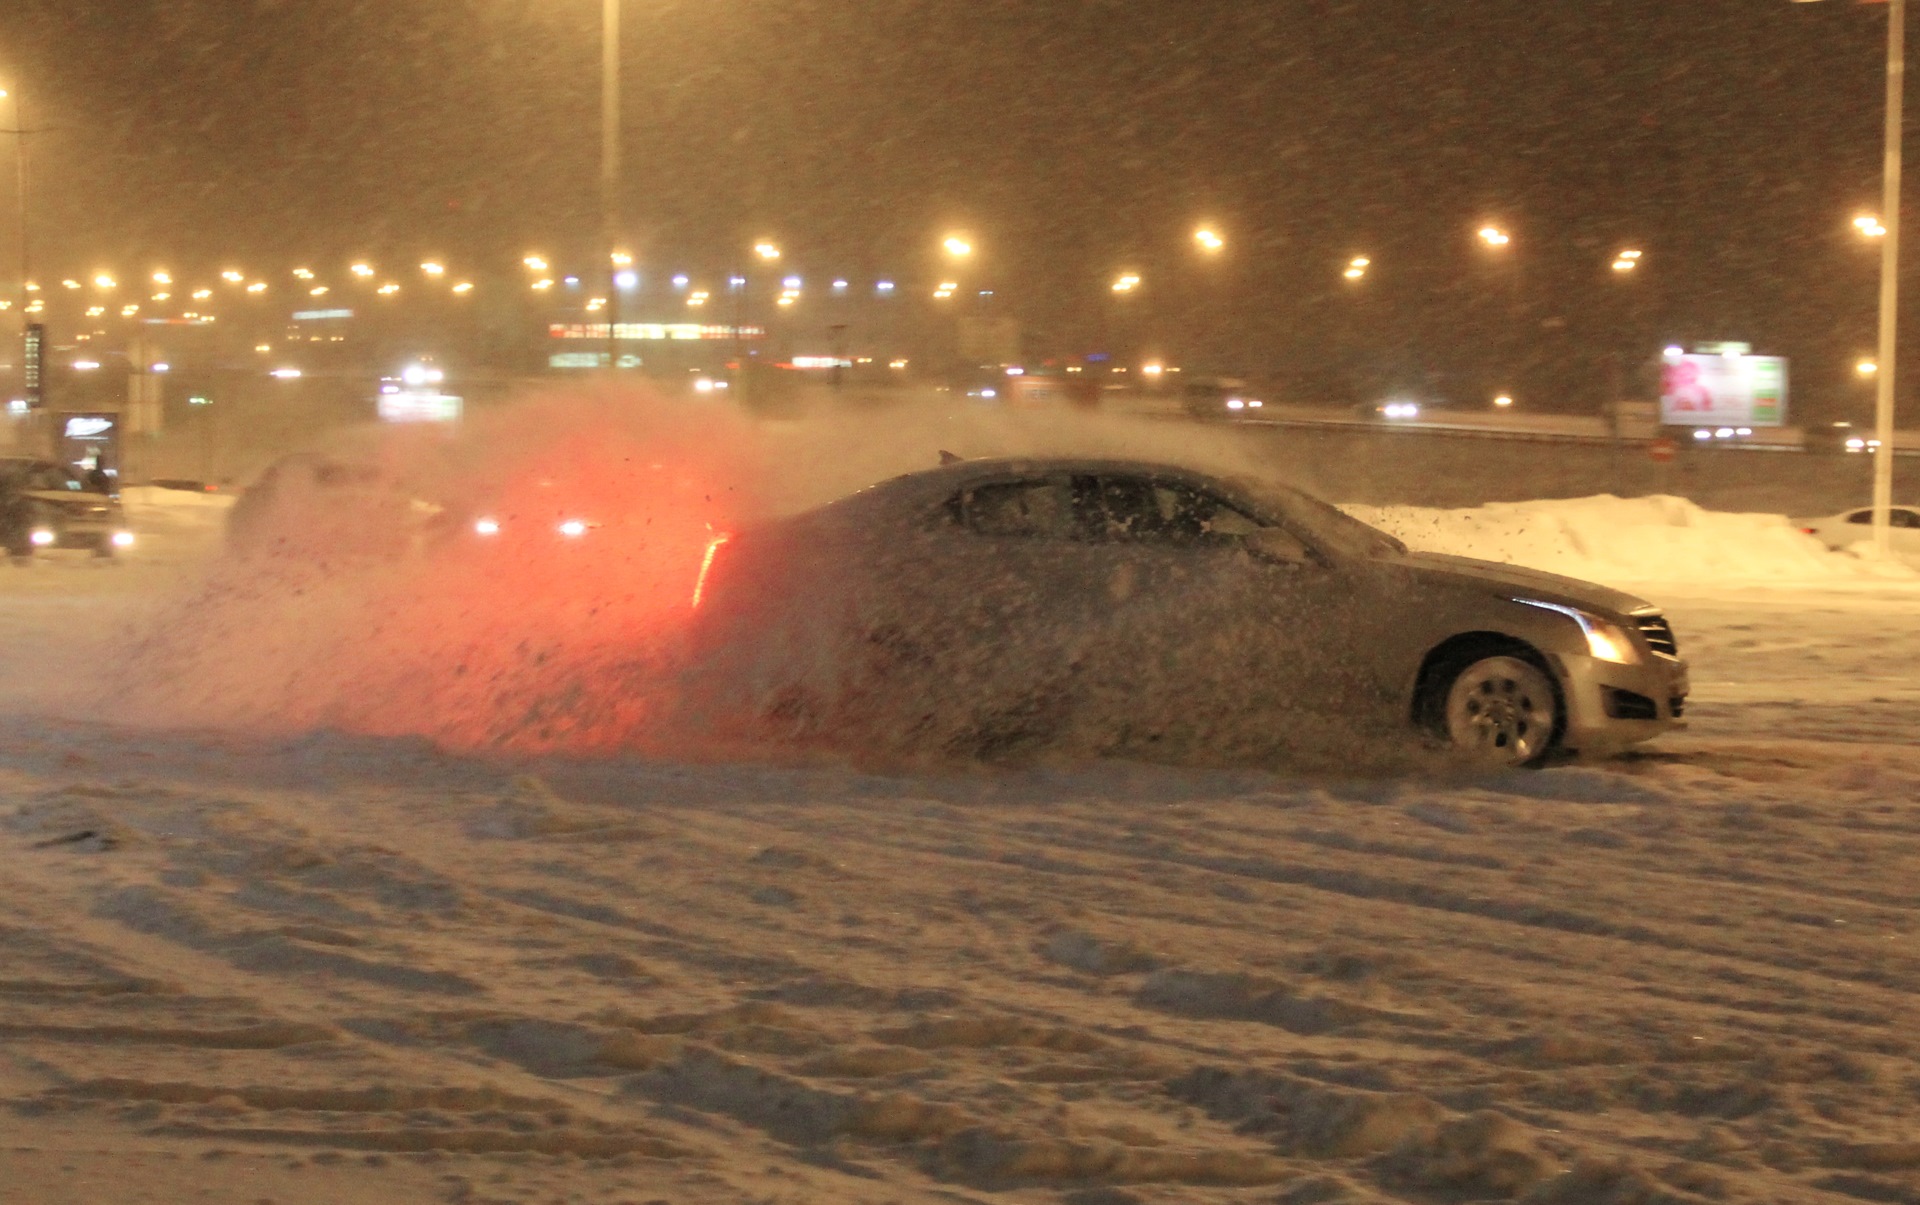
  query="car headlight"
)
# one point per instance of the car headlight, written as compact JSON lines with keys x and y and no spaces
{"x":1606,"y":640}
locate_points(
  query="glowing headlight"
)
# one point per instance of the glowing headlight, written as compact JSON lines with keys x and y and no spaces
{"x":1606,"y":640}
{"x":123,"y":539}
{"x":486,"y":527}
{"x":573,"y":529}
{"x":42,"y":536}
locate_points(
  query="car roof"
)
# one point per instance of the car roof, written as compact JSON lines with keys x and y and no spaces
{"x":934,"y":485}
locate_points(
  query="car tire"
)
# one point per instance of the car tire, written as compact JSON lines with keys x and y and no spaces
{"x":1500,"y":708}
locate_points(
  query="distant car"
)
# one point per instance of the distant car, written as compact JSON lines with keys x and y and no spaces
{"x":997,"y":607}
{"x":314,"y":505}
{"x":45,"y":505}
{"x":1851,"y":527}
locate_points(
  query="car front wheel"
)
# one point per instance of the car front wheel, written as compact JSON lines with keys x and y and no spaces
{"x":1502,"y":711}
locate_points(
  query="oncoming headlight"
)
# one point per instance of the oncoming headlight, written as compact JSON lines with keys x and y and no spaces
{"x":42,"y":536}
{"x":1606,"y":640}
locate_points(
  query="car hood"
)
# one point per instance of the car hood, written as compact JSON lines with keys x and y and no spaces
{"x":1513,"y":581}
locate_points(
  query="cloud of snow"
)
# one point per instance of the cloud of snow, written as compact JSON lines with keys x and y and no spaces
{"x":360,"y":598}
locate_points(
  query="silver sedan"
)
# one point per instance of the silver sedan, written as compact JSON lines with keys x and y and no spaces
{"x":1003,"y":608}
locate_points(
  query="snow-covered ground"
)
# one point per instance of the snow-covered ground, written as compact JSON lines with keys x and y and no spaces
{"x":330,"y":968}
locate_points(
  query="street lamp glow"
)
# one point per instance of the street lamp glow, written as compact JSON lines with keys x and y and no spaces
{"x":258,"y":286}
{"x":535,"y":263}
{"x":128,"y":311}
{"x":626,"y":279}
{"x":161,"y":296}
{"x":1503,"y":401}
{"x":303,"y":273}
{"x":1866,"y":368}
{"x":69,"y":284}
{"x":543,"y":284}
{"x":465,"y":286}
{"x":362,"y":270}
{"x":103,"y":281}
{"x":766,"y":251}
{"x":1869,"y":226}
{"x":388,"y":289}
{"x":622,"y":259}
{"x":786,"y":299}
{"x":1355,"y":273}
{"x":1127,"y":283}
{"x":432,"y":268}
{"x":317,"y":291}
{"x":233,"y":277}
{"x":885,"y":286}
{"x":202,"y":294}
{"x":1209,"y":240}
{"x":958,"y":247}
{"x":162,"y":278}
{"x":681,"y":280}
{"x":1493,"y":236}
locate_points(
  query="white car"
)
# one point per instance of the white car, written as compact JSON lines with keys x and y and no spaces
{"x":1855,"y":526}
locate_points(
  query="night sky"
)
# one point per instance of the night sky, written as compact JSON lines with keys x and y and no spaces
{"x":1732,"y":140}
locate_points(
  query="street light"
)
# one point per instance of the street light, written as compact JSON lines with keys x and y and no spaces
{"x":1887,"y":229}
{"x":610,"y":161}
{"x":957,"y":247}
{"x":1493,"y":236}
{"x":1209,"y":240}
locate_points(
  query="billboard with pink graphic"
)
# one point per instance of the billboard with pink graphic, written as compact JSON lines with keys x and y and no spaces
{"x":1722,"y":390}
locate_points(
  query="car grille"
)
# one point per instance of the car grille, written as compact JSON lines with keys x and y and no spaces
{"x":1658,"y":634}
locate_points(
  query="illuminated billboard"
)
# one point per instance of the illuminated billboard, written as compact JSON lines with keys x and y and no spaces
{"x":1723,"y":390}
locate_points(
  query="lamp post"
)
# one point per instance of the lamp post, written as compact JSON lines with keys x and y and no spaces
{"x":610,"y":169}
{"x":19,"y":132}
{"x":1889,"y":274}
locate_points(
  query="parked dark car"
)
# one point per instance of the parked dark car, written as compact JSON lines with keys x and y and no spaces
{"x":46,"y":505}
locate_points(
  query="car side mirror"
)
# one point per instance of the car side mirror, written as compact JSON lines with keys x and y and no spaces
{"x":1278,"y":546}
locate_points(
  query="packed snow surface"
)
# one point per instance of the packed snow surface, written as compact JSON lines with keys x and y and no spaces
{"x":320,"y":967}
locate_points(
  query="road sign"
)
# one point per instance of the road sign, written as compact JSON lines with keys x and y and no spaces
{"x":1662,"y":450}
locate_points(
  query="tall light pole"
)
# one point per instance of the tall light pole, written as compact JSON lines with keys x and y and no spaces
{"x":19,"y":132}
{"x":1889,"y":274}
{"x":610,"y":168}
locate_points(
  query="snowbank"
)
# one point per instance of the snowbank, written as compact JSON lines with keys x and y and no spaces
{"x":1632,"y":540}
{"x":144,"y":501}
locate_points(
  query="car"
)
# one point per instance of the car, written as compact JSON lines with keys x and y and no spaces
{"x":999,"y":607}
{"x":1855,"y":526}
{"x":317,"y":505}
{"x":45,"y":505}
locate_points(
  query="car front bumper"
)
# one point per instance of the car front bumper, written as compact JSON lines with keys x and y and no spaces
{"x":1611,"y":706}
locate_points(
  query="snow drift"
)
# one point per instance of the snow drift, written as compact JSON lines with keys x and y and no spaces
{"x":1631,"y":541}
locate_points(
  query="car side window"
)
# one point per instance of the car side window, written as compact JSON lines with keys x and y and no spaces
{"x":1136,"y":509}
{"x":1114,"y":508}
{"x":1189,"y":513}
{"x":1905,"y":518}
{"x":1026,"y":509}
{"x":1860,"y":516}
